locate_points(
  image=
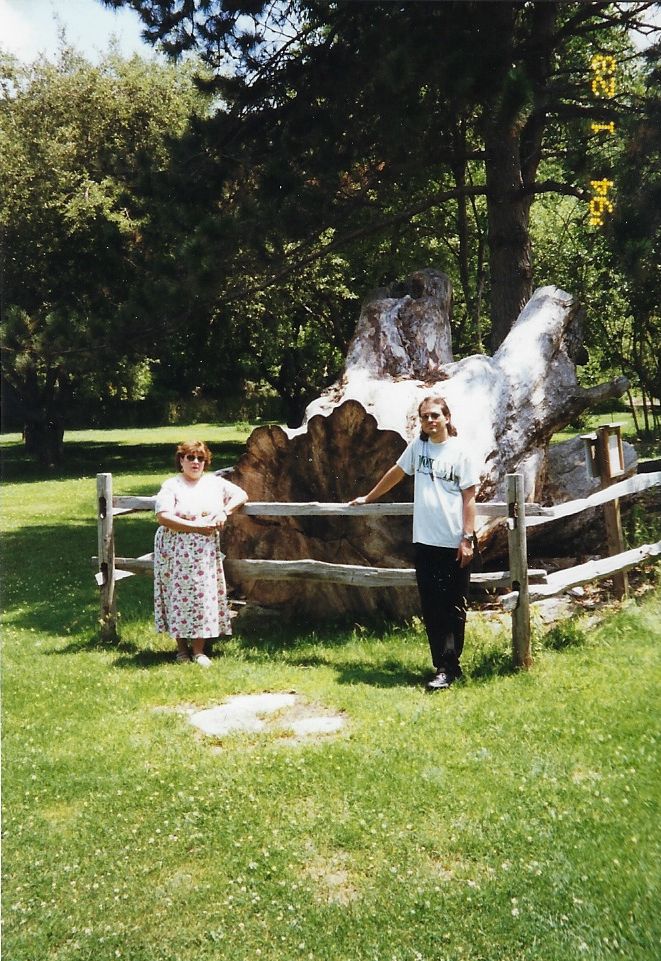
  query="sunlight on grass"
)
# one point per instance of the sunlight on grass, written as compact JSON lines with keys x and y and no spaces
{"x":646,"y":448}
{"x":512,"y":818}
{"x":145,"y":435}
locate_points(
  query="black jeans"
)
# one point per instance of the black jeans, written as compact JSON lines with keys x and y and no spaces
{"x":443,"y":587}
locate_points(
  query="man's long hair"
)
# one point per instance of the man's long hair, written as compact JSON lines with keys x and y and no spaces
{"x":440,"y":400}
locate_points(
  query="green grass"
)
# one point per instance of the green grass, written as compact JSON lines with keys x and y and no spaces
{"x":645,"y":448}
{"x":512,"y":818}
{"x":137,"y":451}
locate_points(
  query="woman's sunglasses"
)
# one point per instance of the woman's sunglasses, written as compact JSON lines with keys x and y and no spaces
{"x":193,"y":457}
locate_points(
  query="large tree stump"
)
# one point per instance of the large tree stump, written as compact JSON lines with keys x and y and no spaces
{"x":320,"y":464}
{"x":506,"y":406}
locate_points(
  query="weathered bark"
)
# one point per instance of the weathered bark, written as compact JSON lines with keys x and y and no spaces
{"x":510,"y":258}
{"x":506,"y":406}
{"x":513,"y":133}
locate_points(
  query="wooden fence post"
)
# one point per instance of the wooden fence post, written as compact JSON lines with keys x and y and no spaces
{"x":518,"y":563}
{"x":609,"y":471}
{"x":106,"y":552}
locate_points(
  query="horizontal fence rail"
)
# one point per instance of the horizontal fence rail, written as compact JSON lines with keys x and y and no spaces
{"x":126,"y":504}
{"x":353,"y":574}
{"x":632,"y":485}
{"x":562,"y":581}
{"x":536,"y":514}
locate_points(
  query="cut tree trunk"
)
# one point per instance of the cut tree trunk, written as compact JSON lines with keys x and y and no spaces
{"x":506,"y":407}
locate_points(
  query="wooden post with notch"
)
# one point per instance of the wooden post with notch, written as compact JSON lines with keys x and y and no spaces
{"x":518,"y":563}
{"x":610,"y":461}
{"x":106,"y":552}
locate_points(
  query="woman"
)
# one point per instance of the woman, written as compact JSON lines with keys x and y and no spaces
{"x":443,"y":530}
{"x":190,"y":598}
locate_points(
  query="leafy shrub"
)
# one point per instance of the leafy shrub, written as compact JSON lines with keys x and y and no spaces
{"x":565,"y":634}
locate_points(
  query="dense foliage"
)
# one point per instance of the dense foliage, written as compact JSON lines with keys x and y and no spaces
{"x":80,"y":147}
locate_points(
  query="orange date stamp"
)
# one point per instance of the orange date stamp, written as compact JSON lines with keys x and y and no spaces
{"x":604,"y":85}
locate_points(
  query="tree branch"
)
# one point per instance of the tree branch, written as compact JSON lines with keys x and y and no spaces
{"x":625,"y":18}
{"x":555,"y":187}
{"x":300,"y":259}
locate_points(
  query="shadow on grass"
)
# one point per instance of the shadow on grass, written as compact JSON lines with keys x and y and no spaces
{"x":128,"y":653}
{"x":142,"y":660}
{"x":277,"y":631}
{"x":394,"y":674}
{"x":48,"y":581}
{"x":88,"y":458}
{"x":48,"y":578}
{"x":390,"y":673}
{"x":85,"y":645}
{"x":481,"y":663}
{"x":294,"y":646}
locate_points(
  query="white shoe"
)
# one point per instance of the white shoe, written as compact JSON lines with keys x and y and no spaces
{"x":202,"y":660}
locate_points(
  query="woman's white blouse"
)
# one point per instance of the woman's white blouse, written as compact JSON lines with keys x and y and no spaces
{"x":208,"y":495}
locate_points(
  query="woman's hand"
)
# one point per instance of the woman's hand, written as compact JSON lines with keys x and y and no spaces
{"x":220,"y":519}
{"x":358,"y":500}
{"x":187,"y":524}
{"x":207,"y":527}
{"x":212,"y":523}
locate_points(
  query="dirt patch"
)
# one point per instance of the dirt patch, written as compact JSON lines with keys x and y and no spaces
{"x":331,"y":878}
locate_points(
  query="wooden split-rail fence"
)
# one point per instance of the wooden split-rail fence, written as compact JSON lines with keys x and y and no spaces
{"x":525,"y":586}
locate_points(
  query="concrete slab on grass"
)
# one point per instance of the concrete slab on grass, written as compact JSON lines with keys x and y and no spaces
{"x":250,"y":713}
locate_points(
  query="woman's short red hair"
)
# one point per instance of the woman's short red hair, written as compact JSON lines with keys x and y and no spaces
{"x":191,"y":447}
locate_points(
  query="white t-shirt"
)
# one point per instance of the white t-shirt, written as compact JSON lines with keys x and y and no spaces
{"x":208,"y":495}
{"x":442,"y":472}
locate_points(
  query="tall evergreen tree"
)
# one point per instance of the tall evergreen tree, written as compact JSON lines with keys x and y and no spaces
{"x":341,"y":120}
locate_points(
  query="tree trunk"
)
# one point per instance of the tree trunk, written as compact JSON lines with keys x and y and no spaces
{"x":514,"y":127}
{"x":507,"y":407}
{"x":508,"y":209}
{"x":43,"y":437}
{"x":40,"y":403}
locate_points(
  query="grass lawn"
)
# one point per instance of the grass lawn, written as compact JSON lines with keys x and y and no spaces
{"x":512,"y":818}
{"x":648,"y":448}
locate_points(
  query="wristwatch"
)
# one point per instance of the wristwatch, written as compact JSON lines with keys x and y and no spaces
{"x":467,"y":537}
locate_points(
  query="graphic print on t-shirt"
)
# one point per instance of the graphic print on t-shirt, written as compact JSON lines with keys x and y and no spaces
{"x":436,"y":468}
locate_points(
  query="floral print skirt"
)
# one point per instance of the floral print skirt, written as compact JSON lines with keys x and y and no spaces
{"x":190,"y":596}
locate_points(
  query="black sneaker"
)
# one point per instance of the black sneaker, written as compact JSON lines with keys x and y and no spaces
{"x":440,"y":682}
